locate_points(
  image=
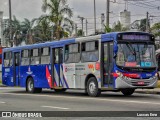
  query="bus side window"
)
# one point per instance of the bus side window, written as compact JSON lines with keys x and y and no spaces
{"x":45,"y":55}
{"x":90,"y":51}
{"x":7,"y":59}
{"x":35,"y":57}
{"x":25,"y":57}
{"x":72,"y":53}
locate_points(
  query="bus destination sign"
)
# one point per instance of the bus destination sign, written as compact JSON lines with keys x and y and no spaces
{"x":135,"y":37}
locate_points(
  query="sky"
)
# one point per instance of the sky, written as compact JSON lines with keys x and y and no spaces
{"x":32,"y":9}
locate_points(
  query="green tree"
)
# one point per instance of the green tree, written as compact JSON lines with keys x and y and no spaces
{"x":43,"y":29}
{"x":80,"y":33}
{"x":118,"y":27}
{"x":27,"y":30}
{"x":107,"y":29}
{"x":142,"y":26}
{"x":59,"y":14}
{"x":156,"y":29}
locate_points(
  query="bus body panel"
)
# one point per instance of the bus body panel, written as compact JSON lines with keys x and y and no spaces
{"x":7,"y":76}
{"x":38,"y":74}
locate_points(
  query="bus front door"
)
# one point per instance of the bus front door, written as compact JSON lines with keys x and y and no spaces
{"x":107,"y":64}
{"x":16,"y":61}
{"x":57,"y":72}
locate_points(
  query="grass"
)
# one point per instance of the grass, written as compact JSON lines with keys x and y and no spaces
{"x":0,"y":82}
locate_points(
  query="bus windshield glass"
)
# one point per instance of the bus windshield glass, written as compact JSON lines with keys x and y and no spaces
{"x":136,"y":55}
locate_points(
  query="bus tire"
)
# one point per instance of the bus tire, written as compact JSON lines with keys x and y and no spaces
{"x":30,"y":86}
{"x":92,"y":87}
{"x":60,"y":90}
{"x":127,"y":92}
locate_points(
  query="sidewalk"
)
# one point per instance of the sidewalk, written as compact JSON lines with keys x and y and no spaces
{"x":2,"y":85}
{"x":148,"y":91}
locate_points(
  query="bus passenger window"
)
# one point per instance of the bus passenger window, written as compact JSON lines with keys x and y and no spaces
{"x":7,"y":59}
{"x":25,"y":57}
{"x":72,"y":53}
{"x":35,"y":57}
{"x":45,"y":55}
{"x":90,"y":52}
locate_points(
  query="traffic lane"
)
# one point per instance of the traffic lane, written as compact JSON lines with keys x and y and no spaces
{"x":77,"y":101}
{"x":80,"y":93}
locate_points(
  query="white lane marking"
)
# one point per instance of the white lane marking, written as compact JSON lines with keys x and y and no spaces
{"x":6,"y":88}
{"x":89,"y":98}
{"x":55,"y":107}
{"x":2,"y":102}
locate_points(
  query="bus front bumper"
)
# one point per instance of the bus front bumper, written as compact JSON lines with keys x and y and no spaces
{"x":125,"y":82}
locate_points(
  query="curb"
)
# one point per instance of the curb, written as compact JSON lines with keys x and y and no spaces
{"x":148,"y":92}
{"x":2,"y":85}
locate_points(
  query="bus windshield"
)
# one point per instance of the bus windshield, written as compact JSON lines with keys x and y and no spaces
{"x":136,"y":55}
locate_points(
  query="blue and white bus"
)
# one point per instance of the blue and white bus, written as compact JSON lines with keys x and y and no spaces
{"x":118,"y":61}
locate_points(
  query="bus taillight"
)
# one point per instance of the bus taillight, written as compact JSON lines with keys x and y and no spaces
{"x":97,"y":65}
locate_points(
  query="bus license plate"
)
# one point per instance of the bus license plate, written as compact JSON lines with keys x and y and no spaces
{"x":140,"y":83}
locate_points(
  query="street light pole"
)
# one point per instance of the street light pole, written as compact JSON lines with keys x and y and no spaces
{"x":94,"y":16}
{"x":10,"y":23}
{"x":107,"y":12}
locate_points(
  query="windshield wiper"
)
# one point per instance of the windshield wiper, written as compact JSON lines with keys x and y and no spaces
{"x":131,"y":48}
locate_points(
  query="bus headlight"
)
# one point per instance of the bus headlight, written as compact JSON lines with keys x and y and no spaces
{"x":156,"y":75}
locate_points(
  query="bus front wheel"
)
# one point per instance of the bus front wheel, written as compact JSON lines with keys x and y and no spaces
{"x":92,"y":87}
{"x":30,"y":86}
{"x":127,"y":92}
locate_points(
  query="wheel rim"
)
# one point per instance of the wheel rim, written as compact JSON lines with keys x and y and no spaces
{"x":92,"y":87}
{"x":30,"y":85}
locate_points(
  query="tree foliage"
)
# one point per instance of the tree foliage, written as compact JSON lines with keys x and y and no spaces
{"x":156,"y":29}
{"x":59,"y":15}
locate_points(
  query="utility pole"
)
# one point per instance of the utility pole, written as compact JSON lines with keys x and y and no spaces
{"x":147,"y":22}
{"x":10,"y":23}
{"x":81,"y":18}
{"x":94,"y":16}
{"x":86,"y":28}
{"x":76,"y":29}
{"x":107,"y":12}
{"x":102,"y":22}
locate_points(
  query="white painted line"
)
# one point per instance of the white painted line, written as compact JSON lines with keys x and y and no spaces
{"x":55,"y":107}
{"x":85,"y":98}
{"x":2,"y":102}
{"x":6,"y":88}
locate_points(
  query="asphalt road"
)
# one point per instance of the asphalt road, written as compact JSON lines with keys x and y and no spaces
{"x":16,"y":99}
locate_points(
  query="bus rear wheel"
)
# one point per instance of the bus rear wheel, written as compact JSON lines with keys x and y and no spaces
{"x":127,"y":92}
{"x":92,"y":87}
{"x":30,"y":86}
